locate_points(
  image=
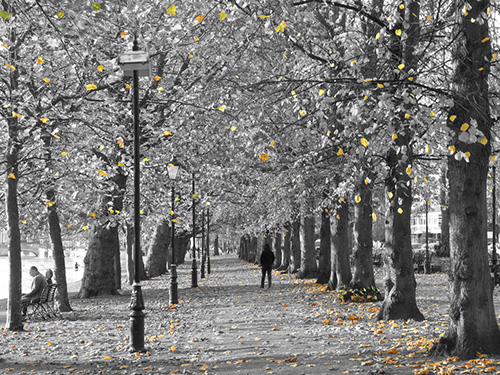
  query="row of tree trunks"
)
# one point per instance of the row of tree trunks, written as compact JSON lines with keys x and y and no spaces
{"x":157,"y":255}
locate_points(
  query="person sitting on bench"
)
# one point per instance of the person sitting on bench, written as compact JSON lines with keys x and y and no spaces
{"x":37,"y":286}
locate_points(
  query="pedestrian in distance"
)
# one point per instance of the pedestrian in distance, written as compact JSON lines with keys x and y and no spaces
{"x":266,"y":262}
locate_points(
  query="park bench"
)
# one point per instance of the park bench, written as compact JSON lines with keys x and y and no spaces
{"x":44,"y":306}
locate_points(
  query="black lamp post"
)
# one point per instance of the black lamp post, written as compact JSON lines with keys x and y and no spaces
{"x":494,"y":259}
{"x":427,"y":262}
{"x":202,"y":275}
{"x":208,"y":238}
{"x":194,"y":274}
{"x":173,"y":169}
{"x":134,"y":64}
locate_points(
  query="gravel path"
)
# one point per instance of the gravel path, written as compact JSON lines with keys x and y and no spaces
{"x":229,"y":325}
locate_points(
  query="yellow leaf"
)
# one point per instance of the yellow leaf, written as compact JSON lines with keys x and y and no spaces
{"x":145,"y":160}
{"x":432,"y":114}
{"x":60,"y":14}
{"x":377,"y":36}
{"x":6,"y":106}
{"x":101,"y":147}
{"x":102,"y":173}
{"x":120,"y":142}
{"x":39,"y":61}
{"x":157,"y":78}
{"x":353,"y":62}
{"x":467,"y":154}
{"x":12,"y":175}
{"x":401,"y":6}
{"x":264,"y":157}
{"x":262,"y":16}
{"x":415,"y":179}
{"x":484,"y":141}
{"x":91,"y":87}
{"x":123,"y":33}
{"x":200,"y":18}
{"x":400,"y":210}
{"x":100,"y":68}
{"x":367,"y":363}
{"x":398,"y":32}
{"x":222,"y":108}
{"x":56,"y":136}
{"x":46,"y":80}
{"x":365,"y":98}
{"x":44,"y":120}
{"x":410,"y":79}
{"x":340,"y":152}
{"x":281,"y":27}
{"x":374,"y":216}
{"x":485,"y":39}
{"x":222,"y":16}
{"x":64,"y":153}
{"x":85,"y":227}
{"x":390,"y":195}
{"x":429,"y":17}
{"x":303,"y":112}
{"x":50,"y":204}
{"x":14,"y":114}
{"x":204,"y":367}
{"x":464,"y":127}
{"x":321,"y":92}
{"x":342,"y":199}
{"x":127,"y":86}
{"x":394,"y":136}
{"x":272,"y":143}
{"x":195,"y":195}
{"x":233,"y":128}
{"x":425,"y":179}
{"x":401,"y":66}
{"x":452,"y":118}
{"x":493,"y":157}
{"x":293,"y":94}
{"x":427,"y":149}
{"x":408,"y":170}
{"x":174,"y":221}
{"x":166,"y":132}
{"x":494,"y":56}
{"x":171,"y":10}
{"x":380,"y":86}
{"x":4,"y":46}
{"x":173,"y":348}
{"x":196,"y":39}
{"x":407,"y":115}
{"x":452,"y":149}
{"x":121,"y":164}
{"x":175,"y":371}
{"x":357,"y":199}
{"x":106,"y":358}
{"x":364,"y":142}
{"x":10,"y":66}
{"x":92,"y":214}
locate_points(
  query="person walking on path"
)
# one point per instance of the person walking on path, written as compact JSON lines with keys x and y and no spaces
{"x":266,"y":262}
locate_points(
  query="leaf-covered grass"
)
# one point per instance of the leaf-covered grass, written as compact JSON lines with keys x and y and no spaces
{"x":230,"y":325}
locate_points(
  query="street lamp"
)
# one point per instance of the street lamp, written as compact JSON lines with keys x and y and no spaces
{"x":194,"y":275}
{"x":208,"y":238}
{"x":427,"y":262}
{"x":136,"y":63}
{"x":173,"y":171}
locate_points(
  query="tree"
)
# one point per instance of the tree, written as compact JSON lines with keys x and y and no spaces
{"x":473,"y":327}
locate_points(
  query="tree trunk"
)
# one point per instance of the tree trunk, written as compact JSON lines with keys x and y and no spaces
{"x":181,"y":247}
{"x":340,"y":273}
{"x":118,"y":268}
{"x":445,"y":217}
{"x":362,"y":286}
{"x":216,"y":245}
{"x":308,"y":264}
{"x":400,"y":302}
{"x":285,"y":250}
{"x":129,"y":248}
{"x":472,"y":325}
{"x":14,"y":319}
{"x":159,"y":250}
{"x":58,"y":254}
{"x":295,"y":247}
{"x":277,"y":248}
{"x":325,"y":249}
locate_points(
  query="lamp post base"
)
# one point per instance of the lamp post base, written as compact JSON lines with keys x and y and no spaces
{"x":194,"y":275}
{"x":174,"y":297}
{"x":137,"y":319}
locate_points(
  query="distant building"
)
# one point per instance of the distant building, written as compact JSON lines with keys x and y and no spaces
{"x":418,"y":220}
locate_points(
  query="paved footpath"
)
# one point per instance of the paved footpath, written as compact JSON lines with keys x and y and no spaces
{"x":229,"y":325}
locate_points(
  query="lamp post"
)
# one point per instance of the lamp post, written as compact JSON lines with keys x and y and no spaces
{"x":173,"y":169}
{"x":427,"y":262}
{"x":208,"y":238}
{"x":494,"y":221}
{"x":202,"y":275}
{"x":194,"y":274}
{"x":136,"y":63}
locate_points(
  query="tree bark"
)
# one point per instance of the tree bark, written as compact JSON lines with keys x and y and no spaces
{"x":285,"y":250}
{"x":308,"y":264}
{"x":472,"y":324}
{"x":445,"y":217}
{"x":295,"y":247}
{"x":340,"y":272}
{"x":129,"y":248}
{"x":216,"y":245}
{"x":118,"y":268}
{"x":363,"y":286}
{"x":159,"y":250}
{"x":277,"y":248}
{"x":325,"y":249}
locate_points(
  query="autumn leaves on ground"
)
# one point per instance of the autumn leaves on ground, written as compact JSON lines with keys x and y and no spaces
{"x":230,"y":325}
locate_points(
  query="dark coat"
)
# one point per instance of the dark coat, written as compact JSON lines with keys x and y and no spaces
{"x":267,"y":259}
